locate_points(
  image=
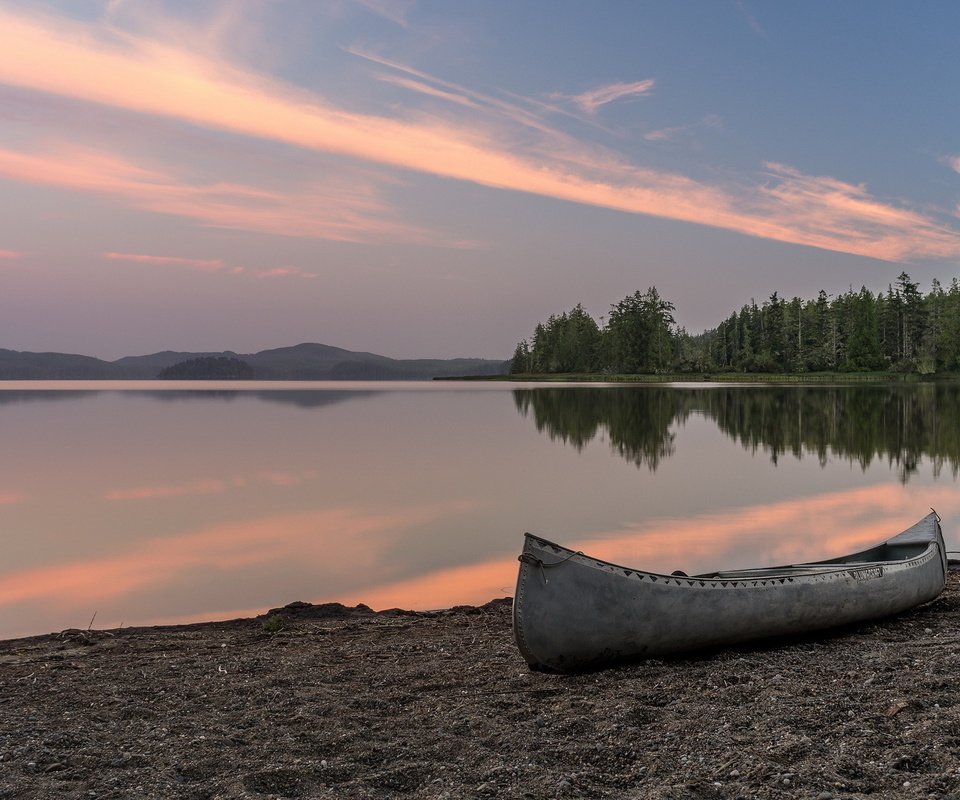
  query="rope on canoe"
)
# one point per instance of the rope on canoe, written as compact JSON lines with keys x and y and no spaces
{"x":528,"y":558}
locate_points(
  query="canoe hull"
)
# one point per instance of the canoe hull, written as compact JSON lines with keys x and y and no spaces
{"x":573,"y":612}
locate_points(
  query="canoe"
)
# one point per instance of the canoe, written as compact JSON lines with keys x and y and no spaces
{"x":572,"y":612}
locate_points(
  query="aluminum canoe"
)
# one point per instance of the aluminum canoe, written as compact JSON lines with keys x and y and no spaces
{"x":572,"y":612}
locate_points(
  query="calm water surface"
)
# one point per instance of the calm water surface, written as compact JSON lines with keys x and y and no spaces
{"x":152,"y":503}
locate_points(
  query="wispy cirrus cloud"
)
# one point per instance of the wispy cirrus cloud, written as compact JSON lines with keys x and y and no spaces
{"x":591,"y":100}
{"x":525,"y":112}
{"x":751,"y":20}
{"x":202,"y":264}
{"x":422,"y":87}
{"x":210,"y":265}
{"x":337,"y":209}
{"x":665,"y":134}
{"x":396,"y":11}
{"x":201,"y":487}
{"x":821,"y":211}
{"x":9,"y":255}
{"x":147,"y":77}
{"x":285,"y":272}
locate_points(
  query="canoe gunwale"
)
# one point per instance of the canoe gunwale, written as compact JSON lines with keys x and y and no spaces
{"x":807,"y":569}
{"x":735,"y":579}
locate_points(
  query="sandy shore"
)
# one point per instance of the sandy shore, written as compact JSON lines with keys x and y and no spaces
{"x":345,"y":703}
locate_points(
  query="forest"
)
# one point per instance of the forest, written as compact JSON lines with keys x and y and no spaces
{"x":901,"y":330}
{"x":208,"y":368}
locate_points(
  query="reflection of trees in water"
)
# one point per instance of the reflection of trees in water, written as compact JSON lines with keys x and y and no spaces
{"x":900,"y":424}
{"x":637,"y":422}
{"x":305,"y":398}
{"x":16,"y":396}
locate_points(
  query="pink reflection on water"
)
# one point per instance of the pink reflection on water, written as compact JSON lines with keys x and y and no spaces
{"x":471,"y":584}
{"x":351,"y":548}
{"x":792,"y":531}
{"x":330,"y":539}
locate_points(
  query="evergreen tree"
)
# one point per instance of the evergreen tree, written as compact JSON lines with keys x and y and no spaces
{"x":521,"y":362}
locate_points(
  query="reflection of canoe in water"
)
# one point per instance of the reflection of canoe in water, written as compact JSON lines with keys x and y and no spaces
{"x":574,"y":612}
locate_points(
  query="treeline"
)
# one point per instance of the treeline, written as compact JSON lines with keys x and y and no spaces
{"x":208,"y":368}
{"x":899,"y":330}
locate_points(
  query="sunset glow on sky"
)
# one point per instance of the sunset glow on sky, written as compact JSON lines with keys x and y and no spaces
{"x":430,"y":179}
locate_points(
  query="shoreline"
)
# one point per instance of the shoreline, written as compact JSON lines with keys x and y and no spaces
{"x":346,"y":702}
{"x":811,"y":378}
{"x":296,"y":610}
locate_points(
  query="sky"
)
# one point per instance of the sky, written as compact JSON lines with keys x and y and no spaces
{"x":431,"y":178}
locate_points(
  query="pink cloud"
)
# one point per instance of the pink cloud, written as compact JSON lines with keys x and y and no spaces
{"x":664,"y":134}
{"x":210,"y":265}
{"x":202,"y":264}
{"x":10,"y":254}
{"x":173,"y":490}
{"x":590,"y":101}
{"x":396,"y":11}
{"x":424,"y":88}
{"x":101,"y":66}
{"x":821,"y":211}
{"x":287,"y":478}
{"x":525,"y":112}
{"x":285,"y":272}
{"x":340,"y":210}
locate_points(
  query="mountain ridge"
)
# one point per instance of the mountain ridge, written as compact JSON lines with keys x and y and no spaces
{"x":304,"y":361}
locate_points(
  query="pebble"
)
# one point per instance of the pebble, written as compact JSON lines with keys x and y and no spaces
{"x":825,"y":796}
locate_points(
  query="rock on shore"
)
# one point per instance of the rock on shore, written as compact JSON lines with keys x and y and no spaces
{"x":325,"y":701}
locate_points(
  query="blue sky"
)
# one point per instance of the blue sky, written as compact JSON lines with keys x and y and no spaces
{"x":432,"y":178}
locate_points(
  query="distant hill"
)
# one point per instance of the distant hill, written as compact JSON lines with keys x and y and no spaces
{"x":15,"y":365}
{"x":301,"y":362}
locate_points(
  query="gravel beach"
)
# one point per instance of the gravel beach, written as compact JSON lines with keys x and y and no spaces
{"x":333,"y":702}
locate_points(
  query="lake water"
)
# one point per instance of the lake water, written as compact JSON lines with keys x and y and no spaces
{"x":144,"y":503}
